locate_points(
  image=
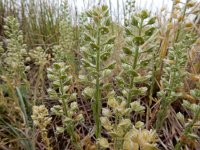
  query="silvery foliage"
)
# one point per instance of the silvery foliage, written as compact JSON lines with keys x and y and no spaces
{"x":16,"y":49}
{"x":135,"y":57}
{"x":173,"y":75}
{"x":59,"y":75}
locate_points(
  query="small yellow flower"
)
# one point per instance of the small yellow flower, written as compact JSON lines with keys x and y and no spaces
{"x":103,"y":142}
{"x":40,"y":116}
{"x":143,"y":139}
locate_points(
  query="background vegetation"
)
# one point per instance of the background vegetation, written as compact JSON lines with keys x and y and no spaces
{"x":89,"y":80}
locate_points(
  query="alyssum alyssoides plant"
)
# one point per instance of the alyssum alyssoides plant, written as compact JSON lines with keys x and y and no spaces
{"x":139,"y":31}
{"x":15,"y":85}
{"x":174,"y":65}
{"x":119,"y":107}
{"x":173,"y":75}
{"x":41,"y":120}
{"x":61,"y":90}
{"x":14,"y":58}
{"x":40,"y":59}
{"x":95,"y":53}
{"x":63,"y":51}
{"x":13,"y":67}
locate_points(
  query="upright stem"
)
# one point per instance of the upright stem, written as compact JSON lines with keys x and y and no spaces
{"x":70,"y":129}
{"x":132,"y":78}
{"x":166,"y":101}
{"x":62,"y":93}
{"x":134,"y":65}
{"x":97,"y":104}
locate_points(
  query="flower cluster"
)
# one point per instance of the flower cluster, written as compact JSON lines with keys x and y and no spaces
{"x":41,"y":120}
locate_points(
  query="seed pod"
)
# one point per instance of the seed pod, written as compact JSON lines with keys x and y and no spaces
{"x":149,"y":32}
{"x":138,"y":40}
{"x":111,"y":40}
{"x":127,"y":51}
{"x":144,"y":14}
{"x":104,"y":30}
{"x":134,"y":21}
{"x":151,"y":21}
